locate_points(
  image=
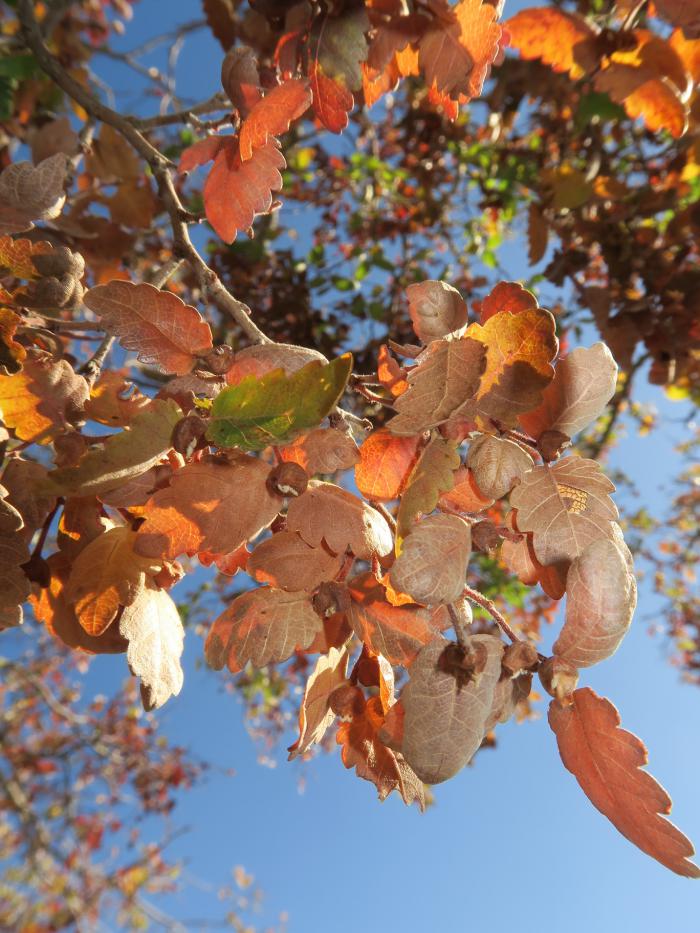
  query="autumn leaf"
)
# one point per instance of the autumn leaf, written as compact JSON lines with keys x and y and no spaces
{"x":562,"y":40}
{"x":327,"y":514}
{"x":363,"y":750}
{"x":444,"y":719}
{"x":12,"y":353}
{"x":29,"y":193}
{"x":537,"y":234}
{"x":315,"y":713}
{"x":682,"y":13}
{"x":323,"y":450}
{"x":644,"y":94}
{"x":221,"y":19}
{"x":436,"y":309}
{"x":395,"y":632}
{"x":273,"y":115}
{"x":601,"y":595}
{"x":286,"y":561}
{"x":122,"y":456}
{"x":115,"y":401}
{"x":240,"y":78}
{"x":497,"y":464}
{"x":385,"y":463}
{"x":235,"y":191}
{"x":215,"y":504}
{"x":464,"y":496}
{"x":519,"y":558}
{"x":42,"y":399}
{"x":201,"y":152}
{"x":260,"y":359}
{"x":275,"y":408}
{"x":566,"y":506}
{"x":432,"y":565}
{"x":441,"y":387}
{"x":262,"y":626}
{"x":389,"y":373}
{"x":505,"y":296}
{"x":432,"y":475}
{"x":14,"y":585}
{"x":157,"y":324}
{"x":151,"y":625}
{"x":338,"y":46}
{"x":107,"y":574}
{"x":16,"y":256}
{"x":584,"y":382}
{"x":607,"y":762}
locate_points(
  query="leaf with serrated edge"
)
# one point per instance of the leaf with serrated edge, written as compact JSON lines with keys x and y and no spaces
{"x":275,"y":408}
{"x":213,"y":505}
{"x":286,"y":561}
{"x":395,"y":632}
{"x":432,"y":475}
{"x":325,"y":513}
{"x":444,"y":723}
{"x":122,"y":456}
{"x":436,"y":308}
{"x":601,"y":595}
{"x":157,"y":324}
{"x":497,"y":464}
{"x":584,"y":382}
{"x":315,"y":714}
{"x":566,"y":506}
{"x":432,"y":566}
{"x":263,"y":626}
{"x":607,"y":762}
{"x":152,"y":626}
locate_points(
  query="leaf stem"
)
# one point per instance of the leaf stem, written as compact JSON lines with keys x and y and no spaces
{"x":476,"y":597}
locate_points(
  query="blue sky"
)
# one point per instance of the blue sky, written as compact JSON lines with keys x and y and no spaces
{"x":511,"y":842}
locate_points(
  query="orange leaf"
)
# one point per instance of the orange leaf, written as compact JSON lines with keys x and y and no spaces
{"x":389,"y":373}
{"x":289,"y":563}
{"x":506,"y":296}
{"x":323,"y":450}
{"x":159,"y":325}
{"x":273,"y":115}
{"x":606,"y":761}
{"x":385,"y":463}
{"x":562,"y":40}
{"x":16,"y":256}
{"x":332,"y":101}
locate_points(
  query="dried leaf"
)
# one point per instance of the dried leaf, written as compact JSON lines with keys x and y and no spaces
{"x":385,"y":463}
{"x":159,"y":325}
{"x":325,"y":513}
{"x":12,"y":353}
{"x":601,"y":595}
{"x":537,"y":234}
{"x":444,"y":718}
{"x":323,"y":450}
{"x":436,"y":308}
{"x":221,"y":19}
{"x":464,"y":496}
{"x":607,"y":761}
{"x":315,"y":714}
{"x":14,"y":585}
{"x":211,"y":505}
{"x":655,"y":99}
{"x":28,"y":194}
{"x":584,"y":382}
{"x":274,"y":408}
{"x":152,"y":627}
{"x":432,"y":566}
{"x":260,"y":359}
{"x":273,"y":115}
{"x":240,"y":78}
{"x":566,"y":506}
{"x":289,"y":563}
{"x":16,"y":256}
{"x":263,"y":626}
{"x":497,"y":464}
{"x":432,"y":475}
{"x":394,"y":632}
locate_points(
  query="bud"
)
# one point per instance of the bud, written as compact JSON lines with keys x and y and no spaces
{"x":552,"y":444}
{"x":347,"y":701}
{"x":287,"y":479}
{"x":484,"y":536}
{"x":519,"y":658}
{"x":187,"y":434}
{"x":559,"y":679}
{"x":465,"y":663}
{"x":330,"y":598}
{"x":218,"y":360}
{"x":60,"y":261}
{"x":37,"y":570}
{"x":52,"y":293}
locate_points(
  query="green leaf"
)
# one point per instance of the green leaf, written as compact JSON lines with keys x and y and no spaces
{"x":274,"y":408}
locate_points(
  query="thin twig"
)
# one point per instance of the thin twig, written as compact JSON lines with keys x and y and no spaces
{"x":93,"y":367}
{"x":476,"y":597}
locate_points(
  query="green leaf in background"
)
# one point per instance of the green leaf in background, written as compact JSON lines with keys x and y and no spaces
{"x":274,"y":408}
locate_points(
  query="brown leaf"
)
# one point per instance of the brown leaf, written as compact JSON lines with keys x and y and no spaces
{"x":289,"y":563}
{"x":221,"y":19}
{"x":16,"y":256}
{"x":497,"y":464}
{"x":263,"y":626}
{"x":28,"y":194}
{"x":152,"y":627}
{"x":607,"y":761}
{"x":432,"y":566}
{"x":260,"y":359}
{"x":445,"y":719}
{"x":601,"y":595}
{"x":385,"y":463}
{"x":566,"y":506}
{"x":111,"y":157}
{"x":214,"y":505}
{"x":436,"y":308}
{"x":14,"y":585}
{"x":315,"y":713}
{"x":372,"y":760}
{"x":159,"y":325}
{"x":54,"y":137}
{"x":240,"y":78}
{"x":22,"y":479}
{"x":584,"y":382}
{"x":395,"y":632}
{"x":337,"y":47}
{"x":331,"y":515}
{"x":432,"y":475}
{"x":323,"y":450}
{"x":537,"y":234}
{"x":107,"y":574}
{"x":682,"y":13}
{"x":441,"y":386}
{"x":273,"y":115}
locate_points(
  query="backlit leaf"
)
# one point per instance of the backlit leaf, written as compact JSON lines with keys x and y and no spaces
{"x":562,"y":40}
{"x":273,"y":115}
{"x":29,"y":193}
{"x":385,"y":463}
{"x":286,"y":561}
{"x":323,"y":450}
{"x":432,"y":475}
{"x":315,"y":714}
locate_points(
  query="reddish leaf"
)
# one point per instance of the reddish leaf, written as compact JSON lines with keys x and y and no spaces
{"x":562,"y":40}
{"x":506,"y":296}
{"x":607,"y":761}
{"x":385,"y":463}
{"x":201,"y":152}
{"x":273,"y":115}
{"x":240,"y":79}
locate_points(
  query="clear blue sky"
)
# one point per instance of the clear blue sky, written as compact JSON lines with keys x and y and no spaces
{"x":511,"y":843}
